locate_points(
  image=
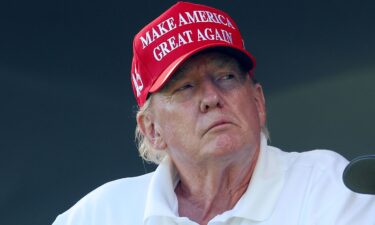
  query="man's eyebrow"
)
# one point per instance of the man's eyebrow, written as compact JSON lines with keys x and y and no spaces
{"x":175,"y":77}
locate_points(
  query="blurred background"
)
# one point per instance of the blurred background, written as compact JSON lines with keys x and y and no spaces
{"x":67,"y":111}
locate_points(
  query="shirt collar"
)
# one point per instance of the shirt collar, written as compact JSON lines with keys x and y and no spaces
{"x":264,"y":188}
{"x":256,"y":204}
{"x":161,"y":199}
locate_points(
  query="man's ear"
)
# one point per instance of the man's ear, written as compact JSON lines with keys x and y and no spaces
{"x":150,"y":131}
{"x":260,"y":102}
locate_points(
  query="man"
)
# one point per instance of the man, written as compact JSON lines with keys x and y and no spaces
{"x":202,"y":118}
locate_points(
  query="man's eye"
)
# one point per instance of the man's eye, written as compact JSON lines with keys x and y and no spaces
{"x":228,"y":77}
{"x":183,"y":87}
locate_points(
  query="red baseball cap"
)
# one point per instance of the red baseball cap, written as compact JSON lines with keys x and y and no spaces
{"x":181,"y":31}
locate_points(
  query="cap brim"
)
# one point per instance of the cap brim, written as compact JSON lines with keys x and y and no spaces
{"x":244,"y":57}
{"x":359,"y":175}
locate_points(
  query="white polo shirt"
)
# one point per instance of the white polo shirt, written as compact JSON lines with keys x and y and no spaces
{"x":285,"y":189}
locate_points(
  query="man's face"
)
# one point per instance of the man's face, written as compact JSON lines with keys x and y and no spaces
{"x":210,"y":110}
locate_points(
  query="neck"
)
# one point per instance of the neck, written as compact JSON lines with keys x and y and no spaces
{"x":206,"y":191}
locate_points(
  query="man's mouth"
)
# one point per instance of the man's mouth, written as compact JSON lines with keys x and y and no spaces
{"x":217,"y":125}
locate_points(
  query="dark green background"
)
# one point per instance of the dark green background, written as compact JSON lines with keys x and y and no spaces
{"x":67,"y":108}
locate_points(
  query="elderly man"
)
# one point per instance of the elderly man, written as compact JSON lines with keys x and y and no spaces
{"x":202,"y":118}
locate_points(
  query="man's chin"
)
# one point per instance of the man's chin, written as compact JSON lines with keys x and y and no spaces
{"x":223,"y":144}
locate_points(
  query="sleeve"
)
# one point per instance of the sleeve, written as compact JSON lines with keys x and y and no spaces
{"x":77,"y":215}
{"x":332,"y":203}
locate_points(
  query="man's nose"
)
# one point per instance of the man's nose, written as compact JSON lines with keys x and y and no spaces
{"x":210,"y":97}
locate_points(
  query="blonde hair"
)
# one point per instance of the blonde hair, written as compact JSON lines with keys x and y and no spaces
{"x":145,"y":149}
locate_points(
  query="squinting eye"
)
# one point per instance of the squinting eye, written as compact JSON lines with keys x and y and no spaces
{"x":227,"y":77}
{"x":184,"y":87}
